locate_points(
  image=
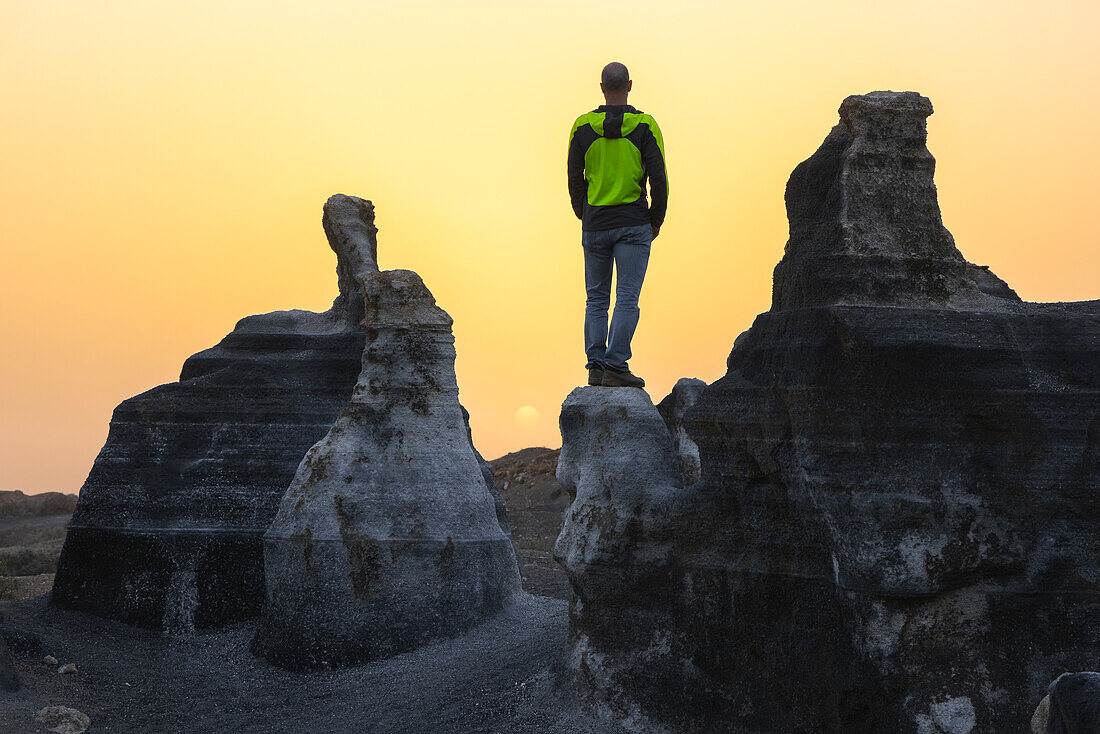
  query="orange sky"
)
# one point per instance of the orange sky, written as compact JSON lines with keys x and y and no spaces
{"x":164,"y":166}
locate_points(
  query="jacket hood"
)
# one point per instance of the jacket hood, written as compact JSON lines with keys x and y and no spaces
{"x":615,"y":120}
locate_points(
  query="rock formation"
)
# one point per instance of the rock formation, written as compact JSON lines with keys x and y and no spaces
{"x":865,"y":224}
{"x":392,"y":531}
{"x":1072,"y":706}
{"x":673,"y":408}
{"x":896,"y":523}
{"x":168,"y":527}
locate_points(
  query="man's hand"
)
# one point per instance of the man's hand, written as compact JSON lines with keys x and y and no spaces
{"x":656,"y":231}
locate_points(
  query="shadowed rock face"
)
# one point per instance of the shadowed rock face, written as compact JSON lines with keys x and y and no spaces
{"x":390,"y":533}
{"x":1072,"y":706}
{"x":896,"y":525}
{"x":168,"y":527}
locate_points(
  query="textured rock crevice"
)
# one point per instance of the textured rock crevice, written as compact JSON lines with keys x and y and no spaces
{"x":894,"y":528}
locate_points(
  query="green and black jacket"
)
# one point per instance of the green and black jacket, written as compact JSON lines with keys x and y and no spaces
{"x":613,"y":150}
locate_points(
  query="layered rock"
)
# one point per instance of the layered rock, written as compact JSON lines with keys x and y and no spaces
{"x":865,"y":225}
{"x":169,"y":524}
{"x":392,"y":532}
{"x":896,"y":525}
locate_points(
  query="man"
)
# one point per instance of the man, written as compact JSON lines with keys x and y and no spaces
{"x":613,"y":151}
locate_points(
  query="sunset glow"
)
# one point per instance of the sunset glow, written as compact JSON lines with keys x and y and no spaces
{"x":165,"y":163}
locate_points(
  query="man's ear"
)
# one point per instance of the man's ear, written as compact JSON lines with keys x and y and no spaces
{"x":601,"y":88}
{"x":629,"y":84}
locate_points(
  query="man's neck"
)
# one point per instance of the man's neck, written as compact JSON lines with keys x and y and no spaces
{"x":613,"y":100}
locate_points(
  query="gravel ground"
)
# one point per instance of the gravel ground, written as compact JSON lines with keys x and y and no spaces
{"x":541,"y":574}
{"x":506,"y":675}
{"x":27,"y":587}
{"x":30,"y":545}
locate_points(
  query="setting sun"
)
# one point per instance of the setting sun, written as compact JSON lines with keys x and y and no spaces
{"x":527,"y":417}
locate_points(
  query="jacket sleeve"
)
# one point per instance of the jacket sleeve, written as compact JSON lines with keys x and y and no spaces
{"x":578,"y":185}
{"x":653,"y":157}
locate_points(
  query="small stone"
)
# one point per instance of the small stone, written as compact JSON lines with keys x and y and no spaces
{"x":67,"y":669}
{"x":50,"y":660}
{"x":64,"y":720}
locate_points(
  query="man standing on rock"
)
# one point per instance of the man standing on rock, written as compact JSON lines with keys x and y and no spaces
{"x":613,"y":150}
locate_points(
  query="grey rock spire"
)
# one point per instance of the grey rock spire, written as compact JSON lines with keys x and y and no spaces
{"x":865,"y":222}
{"x":349,"y":225}
{"x":389,"y":534}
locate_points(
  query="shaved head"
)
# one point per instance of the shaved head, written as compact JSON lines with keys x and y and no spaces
{"x":615,"y":77}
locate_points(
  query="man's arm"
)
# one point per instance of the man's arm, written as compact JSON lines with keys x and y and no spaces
{"x":578,"y":186}
{"x":653,"y":157}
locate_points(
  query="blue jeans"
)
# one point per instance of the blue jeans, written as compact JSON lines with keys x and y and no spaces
{"x":627,"y":250}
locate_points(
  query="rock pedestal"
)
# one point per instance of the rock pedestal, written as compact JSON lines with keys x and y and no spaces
{"x":897,"y":524}
{"x":168,"y":527}
{"x":389,"y":534}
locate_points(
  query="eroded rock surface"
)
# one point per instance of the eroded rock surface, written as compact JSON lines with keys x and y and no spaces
{"x":1072,"y":706}
{"x":619,"y":458}
{"x":169,"y":524}
{"x":896,"y":525}
{"x":673,"y":409}
{"x":865,"y":222}
{"x":391,"y":532}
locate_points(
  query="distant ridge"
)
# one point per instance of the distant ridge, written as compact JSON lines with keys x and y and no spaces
{"x":16,"y":503}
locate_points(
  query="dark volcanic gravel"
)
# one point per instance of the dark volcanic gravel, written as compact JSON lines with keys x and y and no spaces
{"x":506,"y":675}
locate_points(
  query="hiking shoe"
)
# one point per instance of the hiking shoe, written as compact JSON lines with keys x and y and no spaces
{"x":595,"y":375}
{"x":614,"y":378}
